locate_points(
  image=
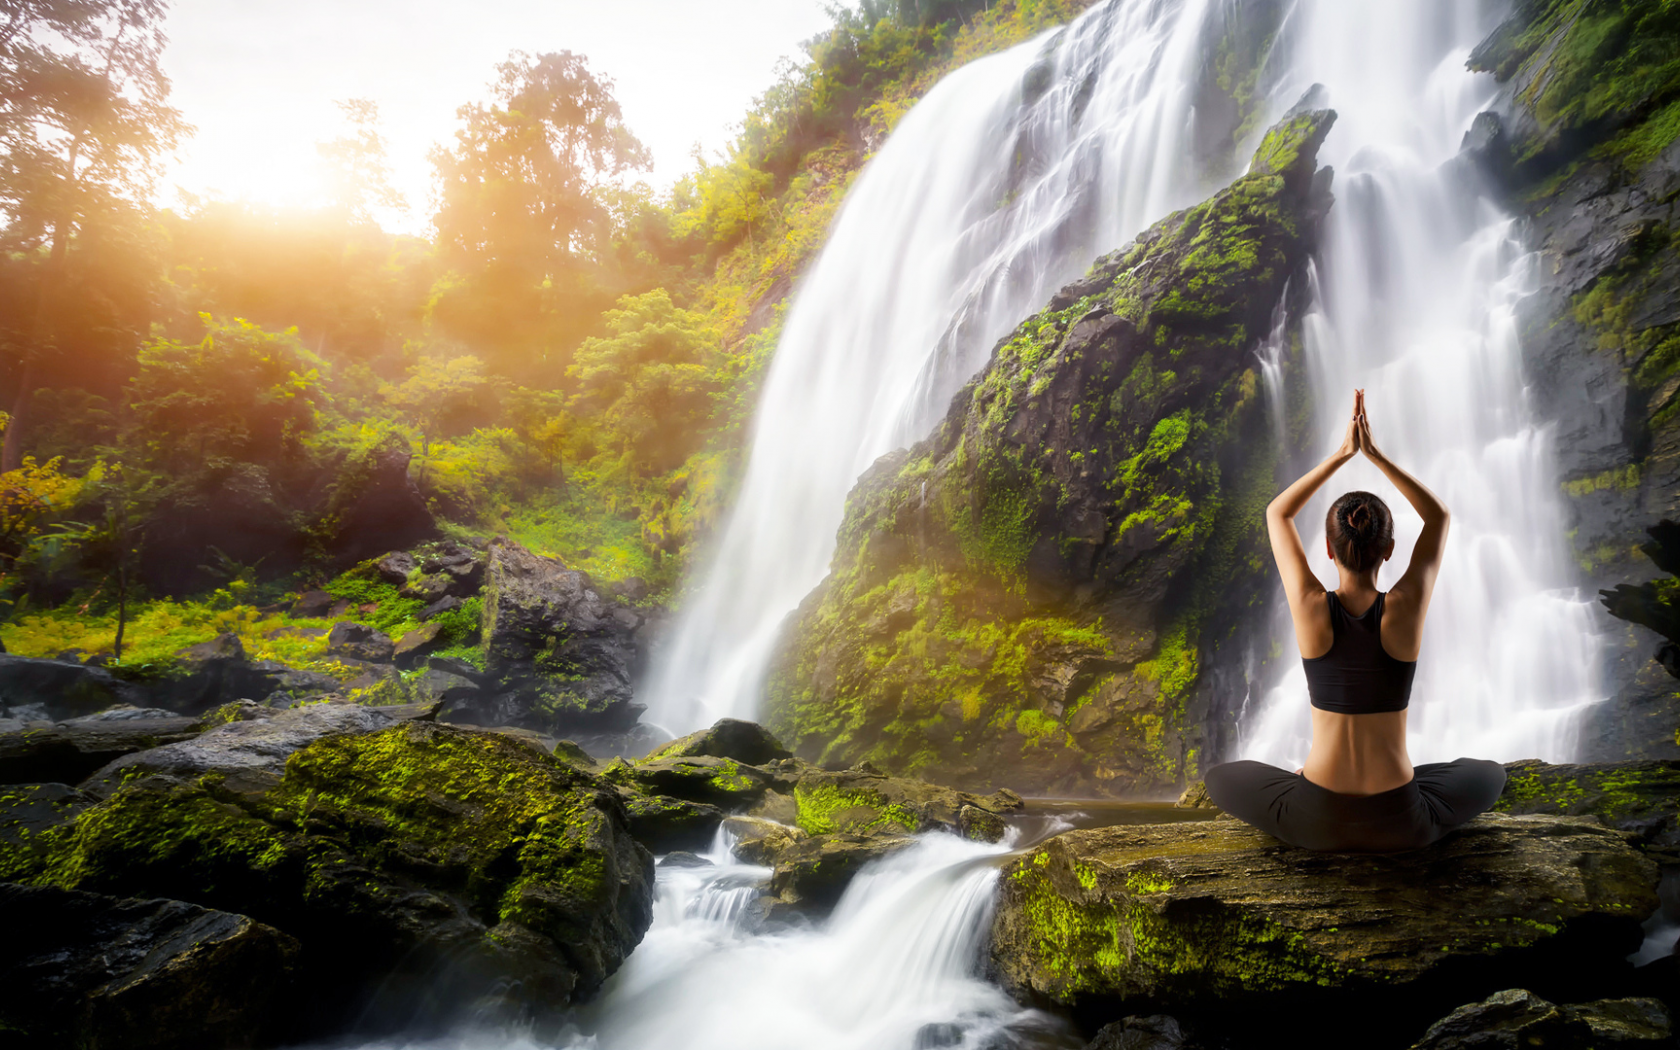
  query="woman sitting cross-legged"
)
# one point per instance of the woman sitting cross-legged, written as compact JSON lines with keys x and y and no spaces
{"x":1359,"y":791}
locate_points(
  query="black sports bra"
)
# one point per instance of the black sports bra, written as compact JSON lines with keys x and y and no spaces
{"x":1357,"y":676}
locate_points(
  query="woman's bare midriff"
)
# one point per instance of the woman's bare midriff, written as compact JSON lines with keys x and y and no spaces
{"x":1358,"y":754}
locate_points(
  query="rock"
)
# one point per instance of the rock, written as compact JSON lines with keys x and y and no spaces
{"x":214,"y":673}
{"x":762,"y":842}
{"x":425,"y":866}
{"x":1640,"y":797}
{"x":716,"y":781}
{"x":662,"y":823}
{"x":980,"y":825}
{"x":294,"y":687}
{"x":250,"y":755}
{"x":69,"y":751}
{"x":862,"y":803}
{"x":746,"y":742}
{"x":429,"y":589}
{"x":1195,"y":796}
{"x":811,"y":875}
{"x":1518,"y":1019}
{"x":375,"y":505}
{"x":27,"y":813}
{"x":395,"y":567}
{"x":81,"y":969}
{"x":63,"y":689}
{"x":1214,"y":914}
{"x":313,"y":605}
{"x":560,"y":653}
{"x":448,"y":603}
{"x":1005,"y":594}
{"x":358,"y":641}
{"x":461,"y":568}
{"x":1155,"y":1032}
{"x":416,"y":645}
{"x":684,"y":859}
{"x":444,"y":687}
{"x":128,"y":713}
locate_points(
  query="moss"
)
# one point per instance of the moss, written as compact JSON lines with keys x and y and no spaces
{"x":825,"y":809}
{"x":1095,"y":938}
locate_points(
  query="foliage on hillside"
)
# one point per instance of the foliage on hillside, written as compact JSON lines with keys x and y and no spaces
{"x":571,"y":359}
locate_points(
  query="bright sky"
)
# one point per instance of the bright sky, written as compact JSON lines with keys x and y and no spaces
{"x":259,"y":78}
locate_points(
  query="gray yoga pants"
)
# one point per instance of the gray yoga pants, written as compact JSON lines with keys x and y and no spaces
{"x":1440,"y":797}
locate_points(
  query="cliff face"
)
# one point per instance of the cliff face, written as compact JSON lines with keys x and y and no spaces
{"x":1584,"y":147}
{"x":1033,"y":588}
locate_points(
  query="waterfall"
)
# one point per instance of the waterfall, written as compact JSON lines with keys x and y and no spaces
{"x":896,"y":965}
{"x":1001,"y":185}
{"x":1419,"y":278}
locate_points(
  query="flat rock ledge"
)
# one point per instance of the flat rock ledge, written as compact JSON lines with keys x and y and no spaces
{"x":1213,"y":914}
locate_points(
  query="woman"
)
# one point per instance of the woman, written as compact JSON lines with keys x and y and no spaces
{"x":1358,"y":792}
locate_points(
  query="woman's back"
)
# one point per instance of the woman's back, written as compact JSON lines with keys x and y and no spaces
{"x":1359,"y":690}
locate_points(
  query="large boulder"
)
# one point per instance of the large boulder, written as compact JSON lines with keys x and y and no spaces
{"x":1212,"y":916}
{"x":214,"y":673}
{"x":64,"y":688}
{"x":1036,"y":593}
{"x":433,"y":868}
{"x":248,"y":754}
{"x":559,"y":654}
{"x":85,"y":970}
{"x":28,"y":812}
{"x":733,"y":738}
{"x":68,"y":751}
{"x":812,"y":874}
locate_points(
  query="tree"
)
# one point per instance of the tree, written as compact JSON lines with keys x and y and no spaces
{"x":240,"y":394}
{"x":520,"y":218}
{"x":83,"y":123}
{"x":361,"y":177}
{"x":437,"y":396}
{"x":652,"y":384}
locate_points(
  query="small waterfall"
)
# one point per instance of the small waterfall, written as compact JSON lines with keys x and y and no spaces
{"x":896,"y":966}
{"x":1000,"y":186}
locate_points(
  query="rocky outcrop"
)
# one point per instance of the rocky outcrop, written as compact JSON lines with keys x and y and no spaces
{"x":557,"y":653}
{"x":433,"y":868}
{"x":62,"y":688}
{"x":1211,"y":916}
{"x":1642,"y":798}
{"x":68,"y":751}
{"x":1583,"y":148}
{"x":1033,"y":590}
{"x":1518,"y":1019}
{"x":81,"y":969}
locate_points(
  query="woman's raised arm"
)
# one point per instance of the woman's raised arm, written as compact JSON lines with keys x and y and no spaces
{"x":1415,"y":587}
{"x":1300,"y":586}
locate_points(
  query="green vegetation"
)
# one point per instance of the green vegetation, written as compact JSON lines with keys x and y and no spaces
{"x":570,"y":360}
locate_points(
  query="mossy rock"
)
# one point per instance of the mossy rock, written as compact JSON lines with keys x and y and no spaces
{"x":861,"y":802}
{"x":390,"y":854}
{"x":1216,"y":916}
{"x":1639,"y":797}
{"x":1030,"y":595}
{"x":746,"y":742}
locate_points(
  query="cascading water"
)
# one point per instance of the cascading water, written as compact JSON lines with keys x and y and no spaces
{"x":997,"y":188}
{"x":1420,"y":277}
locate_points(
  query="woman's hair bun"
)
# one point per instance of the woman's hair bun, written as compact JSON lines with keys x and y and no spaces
{"x":1360,"y":529}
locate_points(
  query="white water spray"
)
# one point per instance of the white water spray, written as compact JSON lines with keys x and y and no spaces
{"x":895,"y":966}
